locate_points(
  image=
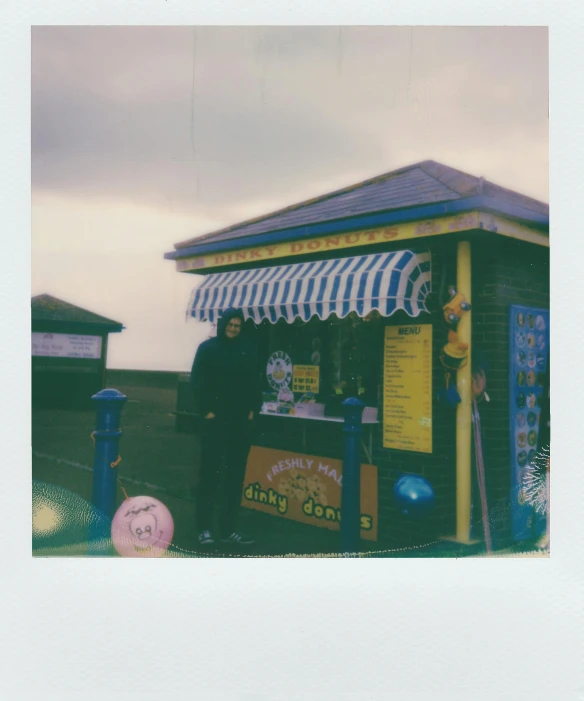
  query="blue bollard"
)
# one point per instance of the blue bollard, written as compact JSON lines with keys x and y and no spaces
{"x":351,"y":490}
{"x":109,"y":404}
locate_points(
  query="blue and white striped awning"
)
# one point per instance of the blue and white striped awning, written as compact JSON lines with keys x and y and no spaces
{"x":382,"y":281}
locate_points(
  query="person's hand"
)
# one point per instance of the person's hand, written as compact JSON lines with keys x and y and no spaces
{"x":210,"y":415}
{"x":250,"y":417}
{"x":479,"y":384}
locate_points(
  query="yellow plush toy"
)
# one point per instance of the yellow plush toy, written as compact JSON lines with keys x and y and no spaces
{"x":455,"y":308}
{"x":455,"y":353}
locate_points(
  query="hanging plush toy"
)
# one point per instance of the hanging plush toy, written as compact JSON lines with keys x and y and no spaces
{"x":455,"y":308}
{"x":454,"y":355}
{"x":449,"y":394}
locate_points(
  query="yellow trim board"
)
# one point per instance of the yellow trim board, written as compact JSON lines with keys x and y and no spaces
{"x":334,"y":242}
{"x":514,"y":230}
{"x":367,"y":237}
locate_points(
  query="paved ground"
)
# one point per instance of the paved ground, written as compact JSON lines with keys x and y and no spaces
{"x":160,"y":462}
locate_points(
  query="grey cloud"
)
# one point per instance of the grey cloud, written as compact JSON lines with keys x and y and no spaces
{"x":114,"y":112}
{"x":145,"y":152}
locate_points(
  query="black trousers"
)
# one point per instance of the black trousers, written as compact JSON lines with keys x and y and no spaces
{"x":225,"y":446}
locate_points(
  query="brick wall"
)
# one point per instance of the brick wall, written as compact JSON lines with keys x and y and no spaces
{"x":506,"y":272}
{"x":161,"y":379}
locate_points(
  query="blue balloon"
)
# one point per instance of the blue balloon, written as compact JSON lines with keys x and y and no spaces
{"x":414,"y":495}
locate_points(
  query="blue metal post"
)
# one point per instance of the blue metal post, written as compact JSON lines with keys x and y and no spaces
{"x":351,"y":490}
{"x":109,"y":404}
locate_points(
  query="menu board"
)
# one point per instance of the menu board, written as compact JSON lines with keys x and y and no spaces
{"x":529,"y":351}
{"x":305,"y":378}
{"x":407,"y":388}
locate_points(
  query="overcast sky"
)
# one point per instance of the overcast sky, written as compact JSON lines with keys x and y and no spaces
{"x":146,"y":136}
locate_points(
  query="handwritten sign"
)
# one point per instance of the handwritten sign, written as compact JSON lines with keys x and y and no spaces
{"x":62,"y":345}
{"x":306,"y":378}
{"x":407,"y":388}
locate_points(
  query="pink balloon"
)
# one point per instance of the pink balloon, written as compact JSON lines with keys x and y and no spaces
{"x":142,"y":527}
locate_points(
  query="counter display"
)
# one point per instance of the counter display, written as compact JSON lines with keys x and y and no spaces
{"x":312,"y":367}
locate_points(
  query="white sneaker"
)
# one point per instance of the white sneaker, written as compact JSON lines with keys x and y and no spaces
{"x":205,"y":538}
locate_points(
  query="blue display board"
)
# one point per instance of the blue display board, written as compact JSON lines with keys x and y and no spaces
{"x":528,"y":363}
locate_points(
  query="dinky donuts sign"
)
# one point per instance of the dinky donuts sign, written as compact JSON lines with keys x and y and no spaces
{"x":306,"y":488}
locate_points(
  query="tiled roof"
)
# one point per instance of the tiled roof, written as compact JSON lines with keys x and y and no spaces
{"x":46,"y":308}
{"x":423,"y":183}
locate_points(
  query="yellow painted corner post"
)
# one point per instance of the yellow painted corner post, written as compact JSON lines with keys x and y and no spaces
{"x":464,"y":408}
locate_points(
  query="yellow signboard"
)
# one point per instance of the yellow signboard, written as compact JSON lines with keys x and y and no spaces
{"x":334,"y":242}
{"x":407,"y":388}
{"x":305,"y":378}
{"x":306,"y":488}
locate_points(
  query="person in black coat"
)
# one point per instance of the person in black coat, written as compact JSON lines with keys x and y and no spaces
{"x":225,"y":389}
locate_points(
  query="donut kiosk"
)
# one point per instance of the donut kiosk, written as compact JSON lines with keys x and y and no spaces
{"x":400,"y":291}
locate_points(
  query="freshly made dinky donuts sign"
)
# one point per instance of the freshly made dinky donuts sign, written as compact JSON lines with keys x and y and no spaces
{"x":307,"y":489}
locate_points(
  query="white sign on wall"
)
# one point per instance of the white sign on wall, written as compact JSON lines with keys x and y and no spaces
{"x":64,"y":345}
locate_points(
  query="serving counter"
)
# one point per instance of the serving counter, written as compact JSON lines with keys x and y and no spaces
{"x":368,"y":424}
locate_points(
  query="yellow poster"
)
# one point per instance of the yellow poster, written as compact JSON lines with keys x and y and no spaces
{"x":306,"y":488}
{"x":305,"y":378}
{"x":407,"y":388}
